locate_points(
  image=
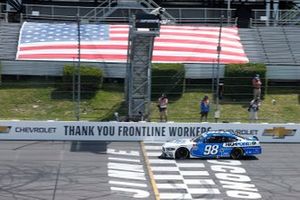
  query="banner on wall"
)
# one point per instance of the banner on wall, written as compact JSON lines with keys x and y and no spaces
{"x":139,"y":131}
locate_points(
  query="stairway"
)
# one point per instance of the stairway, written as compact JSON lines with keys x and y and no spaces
{"x":292,"y":16}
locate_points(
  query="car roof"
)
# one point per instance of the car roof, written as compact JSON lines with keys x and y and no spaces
{"x":220,"y":133}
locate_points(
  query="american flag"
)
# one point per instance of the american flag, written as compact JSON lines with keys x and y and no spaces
{"x":108,"y":43}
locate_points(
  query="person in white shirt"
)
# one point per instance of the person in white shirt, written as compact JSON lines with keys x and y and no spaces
{"x":163,"y":106}
{"x":253,"y":109}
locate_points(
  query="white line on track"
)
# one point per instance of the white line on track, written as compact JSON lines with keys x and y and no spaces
{"x":169,"y":169}
{"x":153,"y":147}
{"x":128,"y":184}
{"x":124,"y":159}
{"x":199,"y":182}
{"x":194,"y":173}
{"x":203,"y":191}
{"x":190,"y":165}
{"x":168,"y":177}
{"x":160,"y":161}
{"x":171,"y":186}
{"x":175,"y":196}
{"x":153,"y":154}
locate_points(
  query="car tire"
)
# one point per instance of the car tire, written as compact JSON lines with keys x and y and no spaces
{"x":182,"y":153}
{"x":237,"y":153}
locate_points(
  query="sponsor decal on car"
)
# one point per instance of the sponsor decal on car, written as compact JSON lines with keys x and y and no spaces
{"x":239,"y":144}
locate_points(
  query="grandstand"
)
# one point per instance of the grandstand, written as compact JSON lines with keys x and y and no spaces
{"x":38,"y":38}
{"x":272,"y":42}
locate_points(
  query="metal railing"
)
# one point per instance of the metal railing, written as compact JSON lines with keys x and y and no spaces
{"x":70,"y":13}
{"x":181,"y":15}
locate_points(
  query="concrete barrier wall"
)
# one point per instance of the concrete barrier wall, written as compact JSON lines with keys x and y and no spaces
{"x":138,"y":131}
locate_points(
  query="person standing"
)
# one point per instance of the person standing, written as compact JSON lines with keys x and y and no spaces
{"x":256,"y":84}
{"x":204,"y":108}
{"x":162,"y":106}
{"x":253,"y":109}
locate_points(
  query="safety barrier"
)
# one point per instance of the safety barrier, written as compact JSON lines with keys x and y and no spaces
{"x":138,"y":131}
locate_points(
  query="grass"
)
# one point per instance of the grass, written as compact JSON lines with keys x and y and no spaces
{"x":43,"y":102}
{"x":36,"y":103}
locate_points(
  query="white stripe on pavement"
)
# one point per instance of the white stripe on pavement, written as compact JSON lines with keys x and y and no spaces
{"x":171,"y":186}
{"x":153,"y":147}
{"x":203,"y":191}
{"x":127,"y":183}
{"x":190,"y":165}
{"x":126,"y":167}
{"x":154,"y":153}
{"x":199,"y":182}
{"x":175,"y":196}
{"x":124,"y":159}
{"x":194,"y":173}
{"x":169,"y":169}
{"x":168,"y":177}
{"x":125,"y":153}
{"x":160,"y":161}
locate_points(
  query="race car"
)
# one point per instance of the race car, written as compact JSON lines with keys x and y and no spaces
{"x":212,"y":144}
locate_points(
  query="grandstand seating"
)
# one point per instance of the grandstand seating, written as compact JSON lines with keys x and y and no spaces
{"x":9,"y":33}
{"x":280,"y":44}
{"x":278,"y":47}
{"x":253,"y":48}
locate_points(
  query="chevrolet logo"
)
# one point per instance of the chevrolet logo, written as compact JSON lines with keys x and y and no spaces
{"x":4,"y":129}
{"x":279,"y":132}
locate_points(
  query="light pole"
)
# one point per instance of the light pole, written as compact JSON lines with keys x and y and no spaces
{"x":217,"y":109}
{"x":78,"y":70}
{"x":228,"y":11}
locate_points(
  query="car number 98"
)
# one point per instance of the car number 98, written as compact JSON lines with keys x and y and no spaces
{"x":211,"y":149}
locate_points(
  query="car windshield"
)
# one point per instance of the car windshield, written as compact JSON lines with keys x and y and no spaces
{"x":238,"y":135}
{"x":197,"y":139}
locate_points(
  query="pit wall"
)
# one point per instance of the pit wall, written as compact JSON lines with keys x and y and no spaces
{"x":138,"y":131}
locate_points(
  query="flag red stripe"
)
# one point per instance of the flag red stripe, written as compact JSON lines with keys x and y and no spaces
{"x":95,"y":46}
{"x":166,"y":34}
{"x":124,"y":57}
{"x":119,"y":47}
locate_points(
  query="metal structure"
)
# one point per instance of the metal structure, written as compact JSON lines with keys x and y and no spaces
{"x":138,"y":79}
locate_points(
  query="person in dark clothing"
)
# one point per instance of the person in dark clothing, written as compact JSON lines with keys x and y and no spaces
{"x":204,"y":108}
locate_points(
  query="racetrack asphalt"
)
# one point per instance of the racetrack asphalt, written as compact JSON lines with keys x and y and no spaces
{"x":37,"y":170}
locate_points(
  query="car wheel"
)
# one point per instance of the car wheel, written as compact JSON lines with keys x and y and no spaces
{"x":182,"y":153}
{"x":237,"y":153}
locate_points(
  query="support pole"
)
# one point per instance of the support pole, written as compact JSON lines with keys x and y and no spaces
{"x":217,"y":109}
{"x":78,"y":71}
{"x":268,"y":10}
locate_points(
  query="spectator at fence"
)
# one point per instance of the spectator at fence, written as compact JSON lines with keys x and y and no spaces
{"x":204,"y":108}
{"x":253,"y":109}
{"x":256,"y":84}
{"x":162,"y":106}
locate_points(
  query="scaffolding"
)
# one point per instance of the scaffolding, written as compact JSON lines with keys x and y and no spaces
{"x":143,"y":30}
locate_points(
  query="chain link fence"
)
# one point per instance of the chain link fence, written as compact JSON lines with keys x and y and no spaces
{"x":41,"y":98}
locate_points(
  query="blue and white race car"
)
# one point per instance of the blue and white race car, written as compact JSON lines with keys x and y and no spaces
{"x":212,"y":144}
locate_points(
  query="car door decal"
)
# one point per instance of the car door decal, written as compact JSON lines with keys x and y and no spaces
{"x":211,"y":150}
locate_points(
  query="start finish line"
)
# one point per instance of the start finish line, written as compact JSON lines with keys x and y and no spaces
{"x":138,"y":131}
